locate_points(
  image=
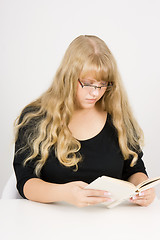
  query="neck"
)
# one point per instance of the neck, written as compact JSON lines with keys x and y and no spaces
{"x":97,"y":107}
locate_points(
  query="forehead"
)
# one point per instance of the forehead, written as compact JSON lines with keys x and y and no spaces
{"x":95,"y":73}
{"x":93,"y":76}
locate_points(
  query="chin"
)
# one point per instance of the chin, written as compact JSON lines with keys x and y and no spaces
{"x":87,"y":106}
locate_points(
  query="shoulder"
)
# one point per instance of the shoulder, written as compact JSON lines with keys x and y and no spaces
{"x":27,"y":124}
{"x":110,"y":121}
{"x":26,"y":111}
{"x":28,"y":121}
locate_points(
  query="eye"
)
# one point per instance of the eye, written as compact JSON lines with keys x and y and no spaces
{"x":103,"y":83}
{"x":87,"y":82}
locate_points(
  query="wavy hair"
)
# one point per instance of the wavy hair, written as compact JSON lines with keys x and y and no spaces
{"x":48,"y":117}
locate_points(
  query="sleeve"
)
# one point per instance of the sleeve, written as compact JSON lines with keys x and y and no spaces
{"x":138,"y":167}
{"x":23,"y":173}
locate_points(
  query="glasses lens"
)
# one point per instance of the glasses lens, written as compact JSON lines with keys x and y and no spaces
{"x":93,"y":87}
{"x":90,"y":87}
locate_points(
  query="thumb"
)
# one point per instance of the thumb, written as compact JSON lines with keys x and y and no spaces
{"x":82,"y":184}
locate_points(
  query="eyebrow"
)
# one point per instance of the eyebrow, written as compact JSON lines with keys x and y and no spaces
{"x":93,"y":80}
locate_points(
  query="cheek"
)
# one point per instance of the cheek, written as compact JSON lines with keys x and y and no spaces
{"x":80,"y":95}
{"x":101,"y":95}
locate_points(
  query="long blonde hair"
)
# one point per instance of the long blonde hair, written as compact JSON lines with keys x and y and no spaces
{"x":52,"y":111}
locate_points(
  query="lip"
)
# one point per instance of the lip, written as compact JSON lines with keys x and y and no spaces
{"x":91,"y":100}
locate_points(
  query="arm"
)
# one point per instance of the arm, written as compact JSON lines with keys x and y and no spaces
{"x":73,"y":192}
{"x":137,"y":178}
{"x":143,"y":198}
{"x":38,"y":190}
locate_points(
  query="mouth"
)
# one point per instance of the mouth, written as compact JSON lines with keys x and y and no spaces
{"x":91,"y":100}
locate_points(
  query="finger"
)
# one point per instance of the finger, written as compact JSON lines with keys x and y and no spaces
{"x":148,"y":198}
{"x":96,"y":200}
{"x":148,"y":191}
{"x":81,"y":184}
{"x":92,"y":192}
{"x":140,"y":196}
{"x":142,"y":202}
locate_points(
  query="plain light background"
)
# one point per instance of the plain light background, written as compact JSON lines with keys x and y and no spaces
{"x":34,"y":37}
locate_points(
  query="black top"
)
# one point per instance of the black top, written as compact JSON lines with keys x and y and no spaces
{"x":101,"y":156}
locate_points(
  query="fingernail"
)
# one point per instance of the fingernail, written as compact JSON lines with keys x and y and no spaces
{"x":141,"y":194}
{"x":134,"y":197}
{"x":109,"y":200}
{"x":107,"y":193}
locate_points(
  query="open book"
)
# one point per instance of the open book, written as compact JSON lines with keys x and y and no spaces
{"x":121,"y":190}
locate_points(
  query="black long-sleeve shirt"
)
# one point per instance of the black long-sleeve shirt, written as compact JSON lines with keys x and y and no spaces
{"x":101,"y":156}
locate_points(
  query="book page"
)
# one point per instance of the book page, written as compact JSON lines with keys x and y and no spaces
{"x":119,"y":189}
{"x":149,"y":183}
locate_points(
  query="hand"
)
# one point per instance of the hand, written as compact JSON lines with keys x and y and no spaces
{"x":144,"y":198}
{"x":74,"y":193}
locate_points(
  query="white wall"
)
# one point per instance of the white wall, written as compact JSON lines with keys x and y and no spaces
{"x":34,"y":37}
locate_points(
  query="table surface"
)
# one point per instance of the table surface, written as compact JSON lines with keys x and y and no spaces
{"x":24,"y":219}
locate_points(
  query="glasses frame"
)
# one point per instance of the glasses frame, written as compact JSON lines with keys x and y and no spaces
{"x":94,"y":86}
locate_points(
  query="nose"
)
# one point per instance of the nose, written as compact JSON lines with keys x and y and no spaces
{"x":95,"y":92}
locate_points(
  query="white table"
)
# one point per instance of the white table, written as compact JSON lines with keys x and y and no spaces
{"x":27,"y":220}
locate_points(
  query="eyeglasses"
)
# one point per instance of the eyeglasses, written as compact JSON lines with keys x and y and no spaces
{"x":91,"y":86}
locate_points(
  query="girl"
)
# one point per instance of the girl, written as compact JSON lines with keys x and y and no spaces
{"x":82,"y":127}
